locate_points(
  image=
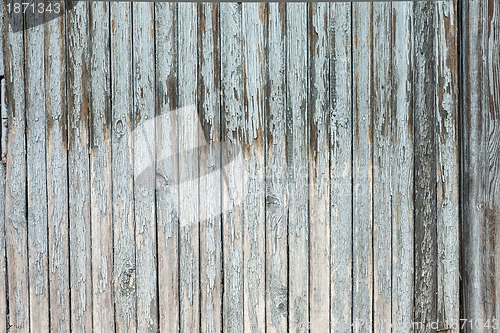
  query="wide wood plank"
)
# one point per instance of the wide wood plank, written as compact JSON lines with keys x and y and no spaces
{"x":122,"y":169}
{"x":232,"y":137}
{"x":402,"y":169}
{"x":276,"y":174}
{"x":253,"y":178}
{"x":447,"y":164}
{"x":15,"y":192}
{"x":362,"y":168}
{"x":57,"y":174}
{"x":144,"y":136}
{"x":298,"y":166}
{"x":167,"y":201}
{"x":340,"y":142}
{"x":319,"y":173}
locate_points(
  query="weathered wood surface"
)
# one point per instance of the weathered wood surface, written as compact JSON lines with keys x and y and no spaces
{"x":251,"y":167}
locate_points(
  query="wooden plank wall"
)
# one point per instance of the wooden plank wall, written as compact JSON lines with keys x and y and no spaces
{"x":251,"y":167}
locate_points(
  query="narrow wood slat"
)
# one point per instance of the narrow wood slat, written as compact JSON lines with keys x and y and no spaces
{"x":424,"y":101}
{"x":143,"y":66}
{"x":122,"y":169}
{"x":402,"y":169}
{"x":57,"y":174}
{"x":15,"y":192}
{"x":3,"y":255}
{"x":3,"y":21}
{"x":319,"y":173}
{"x":100,"y":169}
{"x":253,"y":177}
{"x":276,"y":172}
{"x":383,"y":124}
{"x":167,"y":201}
{"x":340,"y":141}
{"x":447,"y":163}
{"x":211,"y":170}
{"x":36,"y":176}
{"x":297,"y":160}
{"x":188,"y":132}
{"x":362,"y":31}
{"x":232,"y":123}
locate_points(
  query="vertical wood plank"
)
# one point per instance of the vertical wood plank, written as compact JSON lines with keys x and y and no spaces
{"x":362,"y":167}
{"x":210,"y":170}
{"x":167,"y":201}
{"x":36,"y":176}
{"x":57,"y":174}
{"x":100,"y":169}
{"x":425,"y":166}
{"x":340,"y":141}
{"x":447,"y":163}
{"x":297,"y":159}
{"x":383,"y":124}
{"x":78,"y":168}
{"x":3,"y":29}
{"x":253,"y":177}
{"x":122,"y":170}
{"x":188,"y":125}
{"x":144,"y":165}
{"x":15,"y":192}
{"x":276,"y":171}
{"x":319,"y":173}
{"x":232,"y":120}
{"x":402,"y":169}
{"x":3,"y":255}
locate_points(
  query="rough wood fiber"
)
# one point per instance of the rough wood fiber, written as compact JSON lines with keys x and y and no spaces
{"x":298,"y":171}
{"x":167,"y":201}
{"x":3,"y":21}
{"x":447,"y":164}
{"x":211,"y":172}
{"x":100,"y":169}
{"x":57,"y":174}
{"x":188,"y":132}
{"x":402,"y":168}
{"x":362,"y":167}
{"x":319,"y":172}
{"x":340,"y":143}
{"x":143,"y":67}
{"x":276,"y":179}
{"x":232,"y":136}
{"x":15,"y":182}
{"x":3,"y":263}
{"x":78,"y":168}
{"x":36,"y":175}
{"x":383,"y":124}
{"x":253,"y":178}
{"x":122,"y":169}
{"x":424,"y":102}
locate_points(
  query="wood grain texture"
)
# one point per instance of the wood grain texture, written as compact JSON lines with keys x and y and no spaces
{"x":3,"y":21}
{"x":298,"y":166}
{"x":319,"y":173}
{"x":36,"y":174}
{"x":276,"y":172}
{"x":253,"y":178}
{"x":402,"y":168}
{"x":122,"y":169}
{"x":341,"y":159}
{"x":100,"y":168}
{"x":3,"y":255}
{"x":57,"y":175}
{"x":424,"y":102}
{"x":167,"y":201}
{"x":211,"y":170}
{"x":15,"y":183}
{"x":143,"y":67}
{"x":188,"y":134}
{"x":362,"y":167}
{"x":383,"y":124}
{"x":447,"y":164}
{"x":232,"y":134}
